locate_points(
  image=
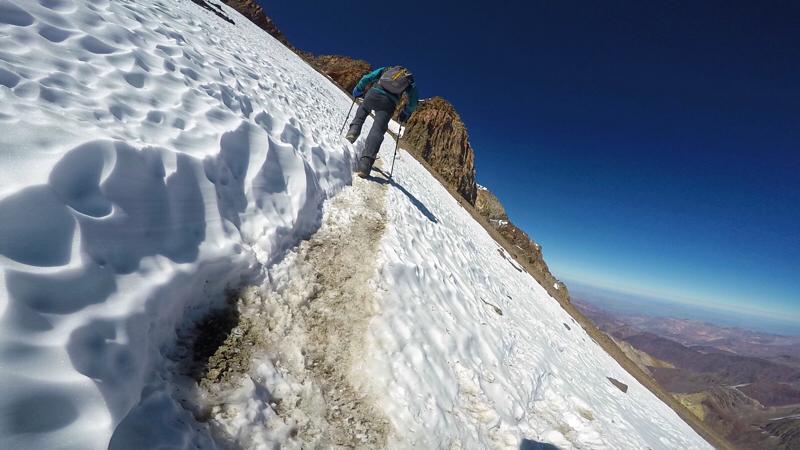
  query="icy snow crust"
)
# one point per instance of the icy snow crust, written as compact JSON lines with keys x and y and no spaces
{"x":152,"y":155}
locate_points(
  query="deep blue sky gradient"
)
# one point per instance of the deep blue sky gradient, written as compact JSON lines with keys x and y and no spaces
{"x":651,"y":147}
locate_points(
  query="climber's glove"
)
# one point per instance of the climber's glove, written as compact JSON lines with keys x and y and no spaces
{"x":404,"y":115}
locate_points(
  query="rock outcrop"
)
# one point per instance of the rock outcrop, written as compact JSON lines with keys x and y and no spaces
{"x":437,"y":133}
{"x":489,"y":206}
{"x":253,"y":11}
{"x":532,"y":253}
{"x":345,"y":71}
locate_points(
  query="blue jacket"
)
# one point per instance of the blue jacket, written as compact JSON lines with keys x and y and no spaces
{"x":411,"y":91}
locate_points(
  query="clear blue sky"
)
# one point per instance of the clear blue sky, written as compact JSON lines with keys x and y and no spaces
{"x":650,"y":147}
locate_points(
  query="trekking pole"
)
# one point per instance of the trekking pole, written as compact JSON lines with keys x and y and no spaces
{"x":396,"y":144}
{"x":348,"y":114}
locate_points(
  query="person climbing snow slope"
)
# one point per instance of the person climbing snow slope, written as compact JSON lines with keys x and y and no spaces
{"x":382,"y":97}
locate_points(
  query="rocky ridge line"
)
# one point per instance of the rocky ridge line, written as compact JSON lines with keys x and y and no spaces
{"x":438,"y":135}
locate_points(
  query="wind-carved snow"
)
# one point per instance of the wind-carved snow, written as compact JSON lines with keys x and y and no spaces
{"x":153,"y":155}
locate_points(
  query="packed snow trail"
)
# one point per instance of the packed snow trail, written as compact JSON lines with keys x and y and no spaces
{"x":308,"y":323}
{"x":153,"y":156}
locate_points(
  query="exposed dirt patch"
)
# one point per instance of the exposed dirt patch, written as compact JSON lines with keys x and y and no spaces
{"x":232,"y":356}
{"x":308,"y":324}
{"x":339,"y":261}
{"x":218,"y":349}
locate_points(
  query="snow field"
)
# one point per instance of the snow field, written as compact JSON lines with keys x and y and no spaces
{"x":151,"y":155}
{"x":469,"y":352}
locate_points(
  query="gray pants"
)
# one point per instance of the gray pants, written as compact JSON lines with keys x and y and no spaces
{"x":384,"y":107}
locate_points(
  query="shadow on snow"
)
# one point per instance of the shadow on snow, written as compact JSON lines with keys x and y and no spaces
{"x":414,"y":200}
{"x":529,"y":444}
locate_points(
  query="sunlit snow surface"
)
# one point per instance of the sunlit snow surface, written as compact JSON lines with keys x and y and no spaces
{"x":151,"y":154}
{"x":454,"y":373}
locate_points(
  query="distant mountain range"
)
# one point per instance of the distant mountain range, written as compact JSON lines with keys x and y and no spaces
{"x":744,"y":384}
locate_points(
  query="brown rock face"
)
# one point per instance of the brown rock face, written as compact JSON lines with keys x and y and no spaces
{"x":254,"y":12}
{"x":438,"y":134}
{"x":345,"y":71}
{"x":489,"y":206}
{"x":533,"y":252}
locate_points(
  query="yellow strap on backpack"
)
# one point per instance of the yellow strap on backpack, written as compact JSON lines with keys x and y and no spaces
{"x":400,"y":73}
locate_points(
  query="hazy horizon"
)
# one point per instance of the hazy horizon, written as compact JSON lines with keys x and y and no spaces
{"x":631,"y":303}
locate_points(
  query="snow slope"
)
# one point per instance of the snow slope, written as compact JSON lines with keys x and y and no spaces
{"x":468,"y":351}
{"x":152,"y":155}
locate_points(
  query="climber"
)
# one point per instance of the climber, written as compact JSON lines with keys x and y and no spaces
{"x":382,"y":98}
